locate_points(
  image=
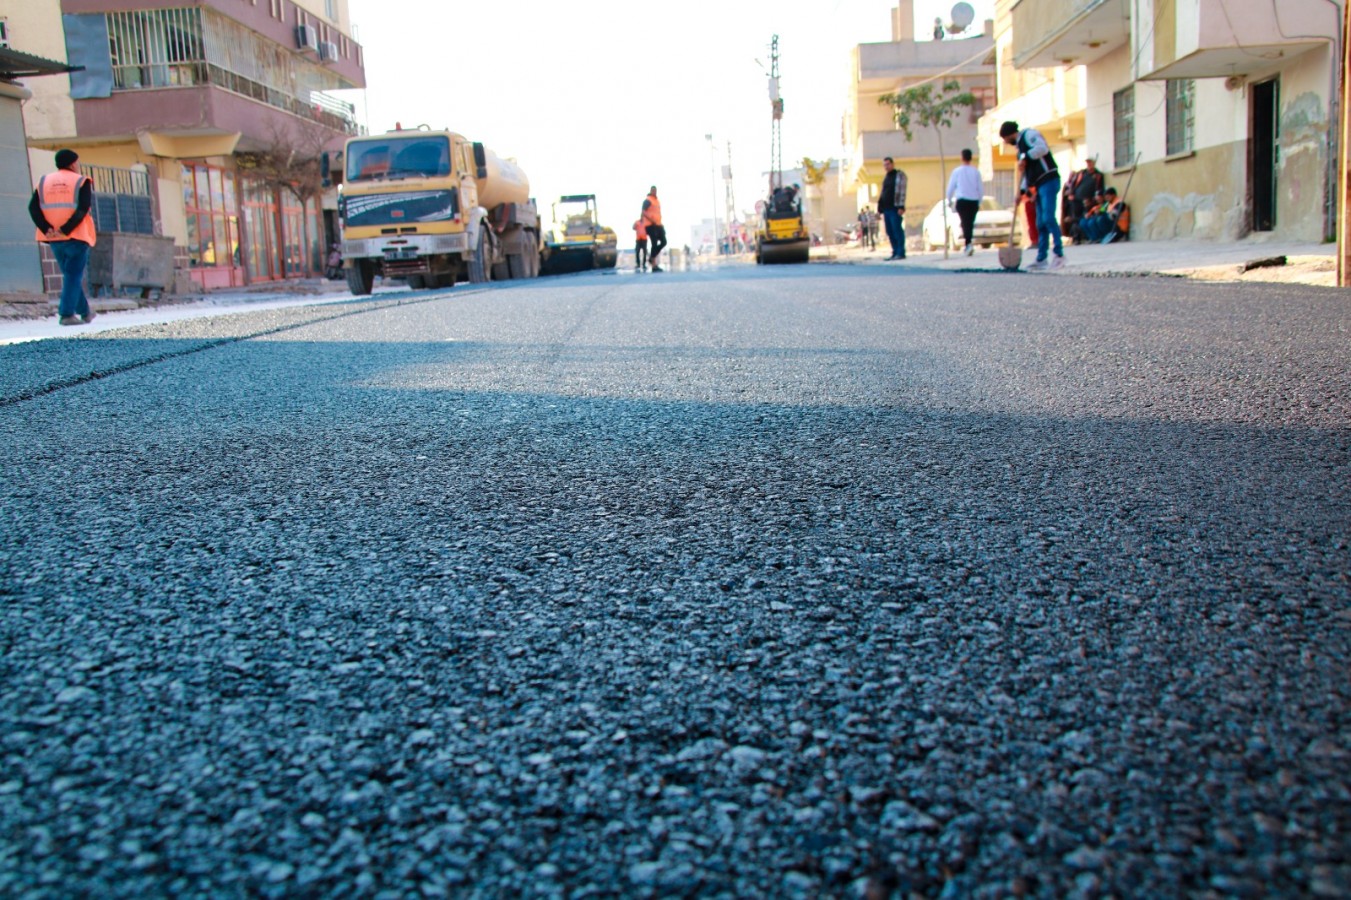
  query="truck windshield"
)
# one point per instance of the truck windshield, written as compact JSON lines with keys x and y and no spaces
{"x":398,"y":157}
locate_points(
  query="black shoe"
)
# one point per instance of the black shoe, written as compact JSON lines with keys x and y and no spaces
{"x":89,"y":318}
{"x":658,"y":269}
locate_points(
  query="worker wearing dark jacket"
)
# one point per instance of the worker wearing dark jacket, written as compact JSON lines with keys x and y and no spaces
{"x":891,"y":204}
{"x":1039,"y":171}
{"x":60,"y":209}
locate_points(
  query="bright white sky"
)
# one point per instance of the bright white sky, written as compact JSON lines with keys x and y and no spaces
{"x":609,"y":97}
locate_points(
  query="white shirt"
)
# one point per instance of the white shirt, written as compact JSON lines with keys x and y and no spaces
{"x":965,"y":183}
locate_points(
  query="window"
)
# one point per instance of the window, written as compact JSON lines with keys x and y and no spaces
{"x":212,"y":212}
{"x":331,"y":10}
{"x":398,"y":157}
{"x":156,"y":48}
{"x":1181,"y":94}
{"x":4,"y":33}
{"x":985,"y":101}
{"x":1123,"y":127}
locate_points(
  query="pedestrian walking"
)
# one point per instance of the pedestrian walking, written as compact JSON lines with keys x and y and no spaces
{"x":964,"y":193}
{"x":640,"y":244}
{"x":867,"y":229}
{"x":1038,"y":168}
{"x":656,"y":233}
{"x":891,"y":204}
{"x":60,"y":209}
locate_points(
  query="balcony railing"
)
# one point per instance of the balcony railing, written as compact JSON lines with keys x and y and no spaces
{"x":331,"y":115}
{"x":169,"y":48}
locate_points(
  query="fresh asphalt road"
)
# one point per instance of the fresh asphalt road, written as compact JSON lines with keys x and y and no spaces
{"x":804,"y":581}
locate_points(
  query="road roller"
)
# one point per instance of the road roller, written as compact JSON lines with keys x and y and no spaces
{"x":783,"y":235}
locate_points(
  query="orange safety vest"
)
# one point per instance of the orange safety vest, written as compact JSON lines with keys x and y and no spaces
{"x":641,"y":227}
{"x":653,"y":213}
{"x":58,"y":196}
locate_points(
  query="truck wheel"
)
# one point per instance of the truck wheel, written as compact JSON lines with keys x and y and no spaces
{"x":360,"y":277}
{"x":517,"y":266}
{"x":417,"y":282}
{"x":480,"y":267}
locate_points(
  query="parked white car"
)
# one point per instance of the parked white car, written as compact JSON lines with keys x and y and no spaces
{"x":992,"y":226}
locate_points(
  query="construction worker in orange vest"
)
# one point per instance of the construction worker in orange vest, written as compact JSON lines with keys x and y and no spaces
{"x":640,"y":244}
{"x":60,"y":209}
{"x":655,"y":231}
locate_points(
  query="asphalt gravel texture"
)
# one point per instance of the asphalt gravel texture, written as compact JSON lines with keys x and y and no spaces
{"x":792,"y":582}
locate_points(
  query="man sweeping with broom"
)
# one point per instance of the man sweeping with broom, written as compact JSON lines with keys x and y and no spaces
{"x":1039,"y":171}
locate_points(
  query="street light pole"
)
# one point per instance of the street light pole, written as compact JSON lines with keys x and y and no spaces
{"x":713,"y":174}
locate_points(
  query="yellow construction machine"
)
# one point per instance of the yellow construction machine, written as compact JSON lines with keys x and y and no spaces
{"x":577,"y":242}
{"x":783,"y":235}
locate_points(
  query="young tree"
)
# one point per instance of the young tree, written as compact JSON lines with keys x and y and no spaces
{"x":923,"y":107}
{"x":814,"y":174}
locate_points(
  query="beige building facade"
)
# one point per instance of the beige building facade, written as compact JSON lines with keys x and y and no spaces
{"x":870,"y":131}
{"x":1220,"y":115}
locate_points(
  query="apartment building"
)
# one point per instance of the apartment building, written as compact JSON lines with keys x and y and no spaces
{"x":181,"y":100}
{"x":1220,"y":115}
{"x":870,"y":131}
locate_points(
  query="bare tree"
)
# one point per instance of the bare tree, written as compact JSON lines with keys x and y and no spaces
{"x":291,"y":159}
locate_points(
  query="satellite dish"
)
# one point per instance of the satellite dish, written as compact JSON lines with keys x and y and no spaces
{"x":962,"y":16}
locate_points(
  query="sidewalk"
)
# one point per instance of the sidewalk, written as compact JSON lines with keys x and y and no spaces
{"x":30,"y":318}
{"x":1313,"y":264}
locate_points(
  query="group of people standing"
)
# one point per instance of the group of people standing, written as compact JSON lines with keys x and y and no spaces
{"x":1039,"y":186}
{"x":649,"y":228}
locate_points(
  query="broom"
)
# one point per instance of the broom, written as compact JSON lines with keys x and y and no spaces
{"x":1011,"y":257}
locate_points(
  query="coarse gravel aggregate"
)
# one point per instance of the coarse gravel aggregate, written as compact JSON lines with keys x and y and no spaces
{"x":808,"y":582}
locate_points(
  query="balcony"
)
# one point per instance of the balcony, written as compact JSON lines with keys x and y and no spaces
{"x":1049,"y":33}
{"x":881,"y":67}
{"x":1207,"y":39}
{"x":874,"y":145}
{"x":1057,"y":107}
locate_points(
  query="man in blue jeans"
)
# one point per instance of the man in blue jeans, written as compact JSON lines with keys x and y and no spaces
{"x":891,"y":204}
{"x":60,"y":209}
{"x":1039,"y":171}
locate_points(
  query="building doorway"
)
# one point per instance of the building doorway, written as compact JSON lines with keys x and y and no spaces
{"x":1266,"y":102}
{"x":260,"y":221}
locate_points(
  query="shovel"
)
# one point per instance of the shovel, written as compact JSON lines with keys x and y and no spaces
{"x":1011,"y":257}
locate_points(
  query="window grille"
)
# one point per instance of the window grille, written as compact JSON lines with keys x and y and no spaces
{"x":1123,"y":127}
{"x":179,"y":48}
{"x":1180,"y":100}
{"x":121,"y":200}
{"x":156,"y":48}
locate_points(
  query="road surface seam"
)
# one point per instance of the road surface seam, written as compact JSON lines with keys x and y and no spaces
{"x":99,"y":374}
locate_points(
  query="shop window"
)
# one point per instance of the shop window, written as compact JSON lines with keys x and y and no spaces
{"x":212,"y":214}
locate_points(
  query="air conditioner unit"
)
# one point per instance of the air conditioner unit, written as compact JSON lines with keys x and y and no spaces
{"x":328,"y":51}
{"x":307,"y":38}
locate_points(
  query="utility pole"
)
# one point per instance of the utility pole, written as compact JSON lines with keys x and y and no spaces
{"x":713,"y":177}
{"x":731,"y":197}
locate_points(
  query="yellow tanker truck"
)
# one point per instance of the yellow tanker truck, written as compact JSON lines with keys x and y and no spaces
{"x":434,"y":208}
